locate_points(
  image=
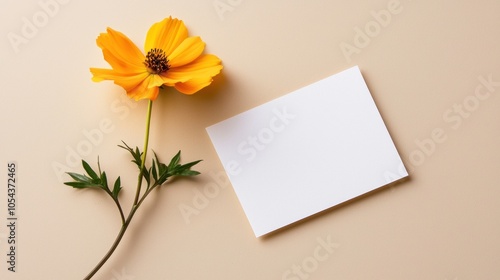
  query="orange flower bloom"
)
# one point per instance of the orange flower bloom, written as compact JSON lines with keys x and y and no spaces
{"x":172,"y":59}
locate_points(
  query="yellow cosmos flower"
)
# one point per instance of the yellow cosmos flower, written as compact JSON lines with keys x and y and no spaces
{"x":172,"y":59}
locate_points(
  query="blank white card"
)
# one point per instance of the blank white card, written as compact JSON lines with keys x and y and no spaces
{"x":307,"y":151}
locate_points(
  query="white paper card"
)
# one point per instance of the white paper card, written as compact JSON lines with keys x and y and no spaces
{"x":307,"y":151}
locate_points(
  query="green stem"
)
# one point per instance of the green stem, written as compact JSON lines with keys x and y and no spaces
{"x":122,"y":216}
{"x":136,"y":204}
{"x":115,"y":244}
{"x":144,"y":153}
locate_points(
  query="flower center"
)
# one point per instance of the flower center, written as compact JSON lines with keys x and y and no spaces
{"x":156,"y":61}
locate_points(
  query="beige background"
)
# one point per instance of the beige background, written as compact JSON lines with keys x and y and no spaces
{"x":421,"y":67}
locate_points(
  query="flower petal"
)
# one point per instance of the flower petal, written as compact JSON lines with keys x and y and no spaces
{"x":120,"y":52}
{"x":199,"y":73}
{"x":186,"y":52}
{"x":126,"y":81}
{"x":155,"y":81}
{"x":144,"y":90}
{"x":194,"y":85}
{"x":166,"y":35}
{"x":204,"y":66}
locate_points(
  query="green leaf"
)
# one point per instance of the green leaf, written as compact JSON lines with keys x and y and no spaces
{"x":175,"y":160}
{"x":136,"y":155}
{"x":104,"y":180}
{"x":78,"y":185}
{"x":126,"y":146}
{"x":80,"y":178}
{"x":146,"y":175}
{"x":153,"y":169}
{"x":190,"y":164}
{"x":117,"y":187}
{"x":155,"y":157}
{"x":163,"y":178}
{"x":189,"y":173}
{"x":162,"y":168}
{"x":89,"y":170}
